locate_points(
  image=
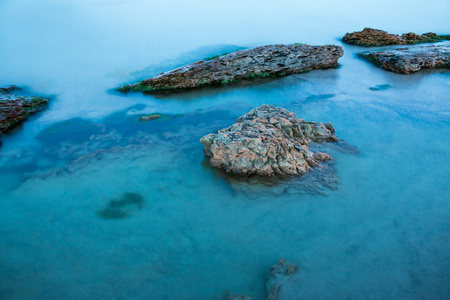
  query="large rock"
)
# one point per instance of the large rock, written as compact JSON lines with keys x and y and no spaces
{"x":375,"y":37}
{"x":274,"y":60}
{"x":408,"y":60}
{"x":268,"y":141}
{"x":16,"y":108}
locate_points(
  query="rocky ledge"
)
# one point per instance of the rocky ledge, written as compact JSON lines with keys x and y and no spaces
{"x":408,"y":60}
{"x":268,"y":141}
{"x":16,"y":108}
{"x":275,"y":60}
{"x":374,"y":37}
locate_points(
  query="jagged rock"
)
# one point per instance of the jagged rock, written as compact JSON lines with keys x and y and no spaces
{"x":274,"y":60}
{"x":16,"y":108}
{"x":408,"y":60}
{"x":268,"y":141}
{"x":280,"y":275}
{"x":375,"y":37}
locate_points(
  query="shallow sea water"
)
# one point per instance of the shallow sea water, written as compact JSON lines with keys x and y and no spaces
{"x":72,"y":227}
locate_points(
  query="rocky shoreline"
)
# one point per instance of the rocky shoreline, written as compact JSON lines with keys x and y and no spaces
{"x":374,"y":37}
{"x":409,"y":60}
{"x":14,"y":108}
{"x":266,"y":61}
{"x":268,"y":141}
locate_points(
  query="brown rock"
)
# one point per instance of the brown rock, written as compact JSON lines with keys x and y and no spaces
{"x":375,"y":37}
{"x":15,"y":108}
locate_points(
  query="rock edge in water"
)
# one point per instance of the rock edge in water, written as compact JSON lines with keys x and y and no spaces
{"x":374,"y":37}
{"x":409,"y":60}
{"x":266,"y":61}
{"x":281,"y":274}
{"x":268,"y":141}
{"x":14,"y":109}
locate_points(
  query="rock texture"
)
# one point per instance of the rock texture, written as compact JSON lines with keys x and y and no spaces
{"x":374,"y":37}
{"x":409,"y":60}
{"x":274,"y":60}
{"x":268,"y":141}
{"x":16,"y":108}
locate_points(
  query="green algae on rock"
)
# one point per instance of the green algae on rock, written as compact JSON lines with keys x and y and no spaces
{"x":375,"y":37}
{"x":14,"y":109}
{"x":266,"y":61}
{"x":409,"y":60}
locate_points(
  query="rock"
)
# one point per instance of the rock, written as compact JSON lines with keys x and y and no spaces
{"x":280,"y":275}
{"x":16,"y":108}
{"x":268,"y":141}
{"x":150,"y":117}
{"x":408,"y":60}
{"x":274,"y":60}
{"x":374,"y":37}
{"x":239,"y":297}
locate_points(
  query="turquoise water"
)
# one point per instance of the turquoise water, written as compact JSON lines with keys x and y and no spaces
{"x":97,"y":205}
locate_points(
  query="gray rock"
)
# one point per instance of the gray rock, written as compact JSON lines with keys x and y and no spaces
{"x":274,"y":60}
{"x":268,"y":141}
{"x":409,"y":60}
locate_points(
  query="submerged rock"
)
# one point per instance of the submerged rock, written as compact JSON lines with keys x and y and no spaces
{"x":274,"y":60}
{"x":239,"y":297}
{"x":408,"y":60}
{"x":16,"y":108}
{"x":150,"y":117}
{"x":374,"y":37}
{"x":280,"y":275}
{"x":123,"y":207}
{"x":268,"y":141}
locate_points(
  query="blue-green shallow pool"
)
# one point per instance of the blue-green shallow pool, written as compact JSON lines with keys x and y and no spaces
{"x":383,"y":234}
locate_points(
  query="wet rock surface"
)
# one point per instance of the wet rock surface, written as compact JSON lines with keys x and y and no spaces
{"x":409,"y":60}
{"x":269,"y":142}
{"x":15,"y":108}
{"x":266,"y":61}
{"x":375,"y":37}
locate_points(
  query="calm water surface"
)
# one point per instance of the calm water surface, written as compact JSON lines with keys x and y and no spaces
{"x":96,"y":205}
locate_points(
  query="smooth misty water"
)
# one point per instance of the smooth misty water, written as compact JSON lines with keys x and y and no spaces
{"x":148,"y":218}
